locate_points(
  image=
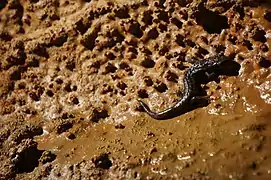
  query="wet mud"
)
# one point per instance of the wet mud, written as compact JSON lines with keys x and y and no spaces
{"x":71,"y":73}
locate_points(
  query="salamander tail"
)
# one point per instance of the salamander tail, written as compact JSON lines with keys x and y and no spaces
{"x":158,"y":116}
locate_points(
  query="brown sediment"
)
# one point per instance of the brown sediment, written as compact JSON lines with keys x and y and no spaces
{"x":71,"y":73}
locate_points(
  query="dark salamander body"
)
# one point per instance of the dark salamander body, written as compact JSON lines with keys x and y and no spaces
{"x":190,"y":87}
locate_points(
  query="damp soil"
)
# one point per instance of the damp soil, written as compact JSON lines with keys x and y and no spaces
{"x":71,"y":73}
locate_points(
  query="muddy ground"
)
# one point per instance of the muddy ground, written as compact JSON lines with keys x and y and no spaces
{"x":71,"y":73}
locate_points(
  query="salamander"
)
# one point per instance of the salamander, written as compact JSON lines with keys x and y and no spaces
{"x":207,"y":66}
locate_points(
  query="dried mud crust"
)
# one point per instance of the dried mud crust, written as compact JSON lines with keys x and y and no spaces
{"x":71,"y":71}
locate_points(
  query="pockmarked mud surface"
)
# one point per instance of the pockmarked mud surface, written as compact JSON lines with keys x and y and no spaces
{"x":71,"y":73}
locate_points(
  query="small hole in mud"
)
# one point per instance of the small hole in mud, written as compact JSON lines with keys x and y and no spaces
{"x":163,"y":15}
{"x":160,"y":87}
{"x":267,"y":15}
{"x":64,"y":126}
{"x":122,"y":13}
{"x":177,"y":22}
{"x":124,"y":65}
{"x":15,"y":74}
{"x":122,"y":93}
{"x":248,"y":44}
{"x":71,"y":136}
{"x":51,"y":85}
{"x":147,"y":17}
{"x":265,"y":63}
{"x":34,"y":96}
{"x":110,"y":55}
{"x":21,"y":85}
{"x":121,"y":85}
{"x":71,"y":116}
{"x":64,"y":116}
{"x":147,"y":63}
{"x":170,"y":76}
{"x":59,"y":81}
{"x":109,"y":68}
{"x":264,"y":48}
{"x":163,"y":28}
{"x":148,"y":81}
{"x":103,"y":162}
{"x":74,"y":100}
{"x":135,"y":29}
{"x":190,"y":43}
{"x":259,"y":35}
{"x":142,"y":93}
{"x":49,"y":93}
{"x":218,"y":105}
{"x":180,"y":40}
{"x":67,"y":87}
{"x":119,"y":126}
{"x":153,"y":33}
{"x":70,"y":65}
{"x":5,"y":36}
{"x":99,"y":114}
{"x":74,"y":88}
